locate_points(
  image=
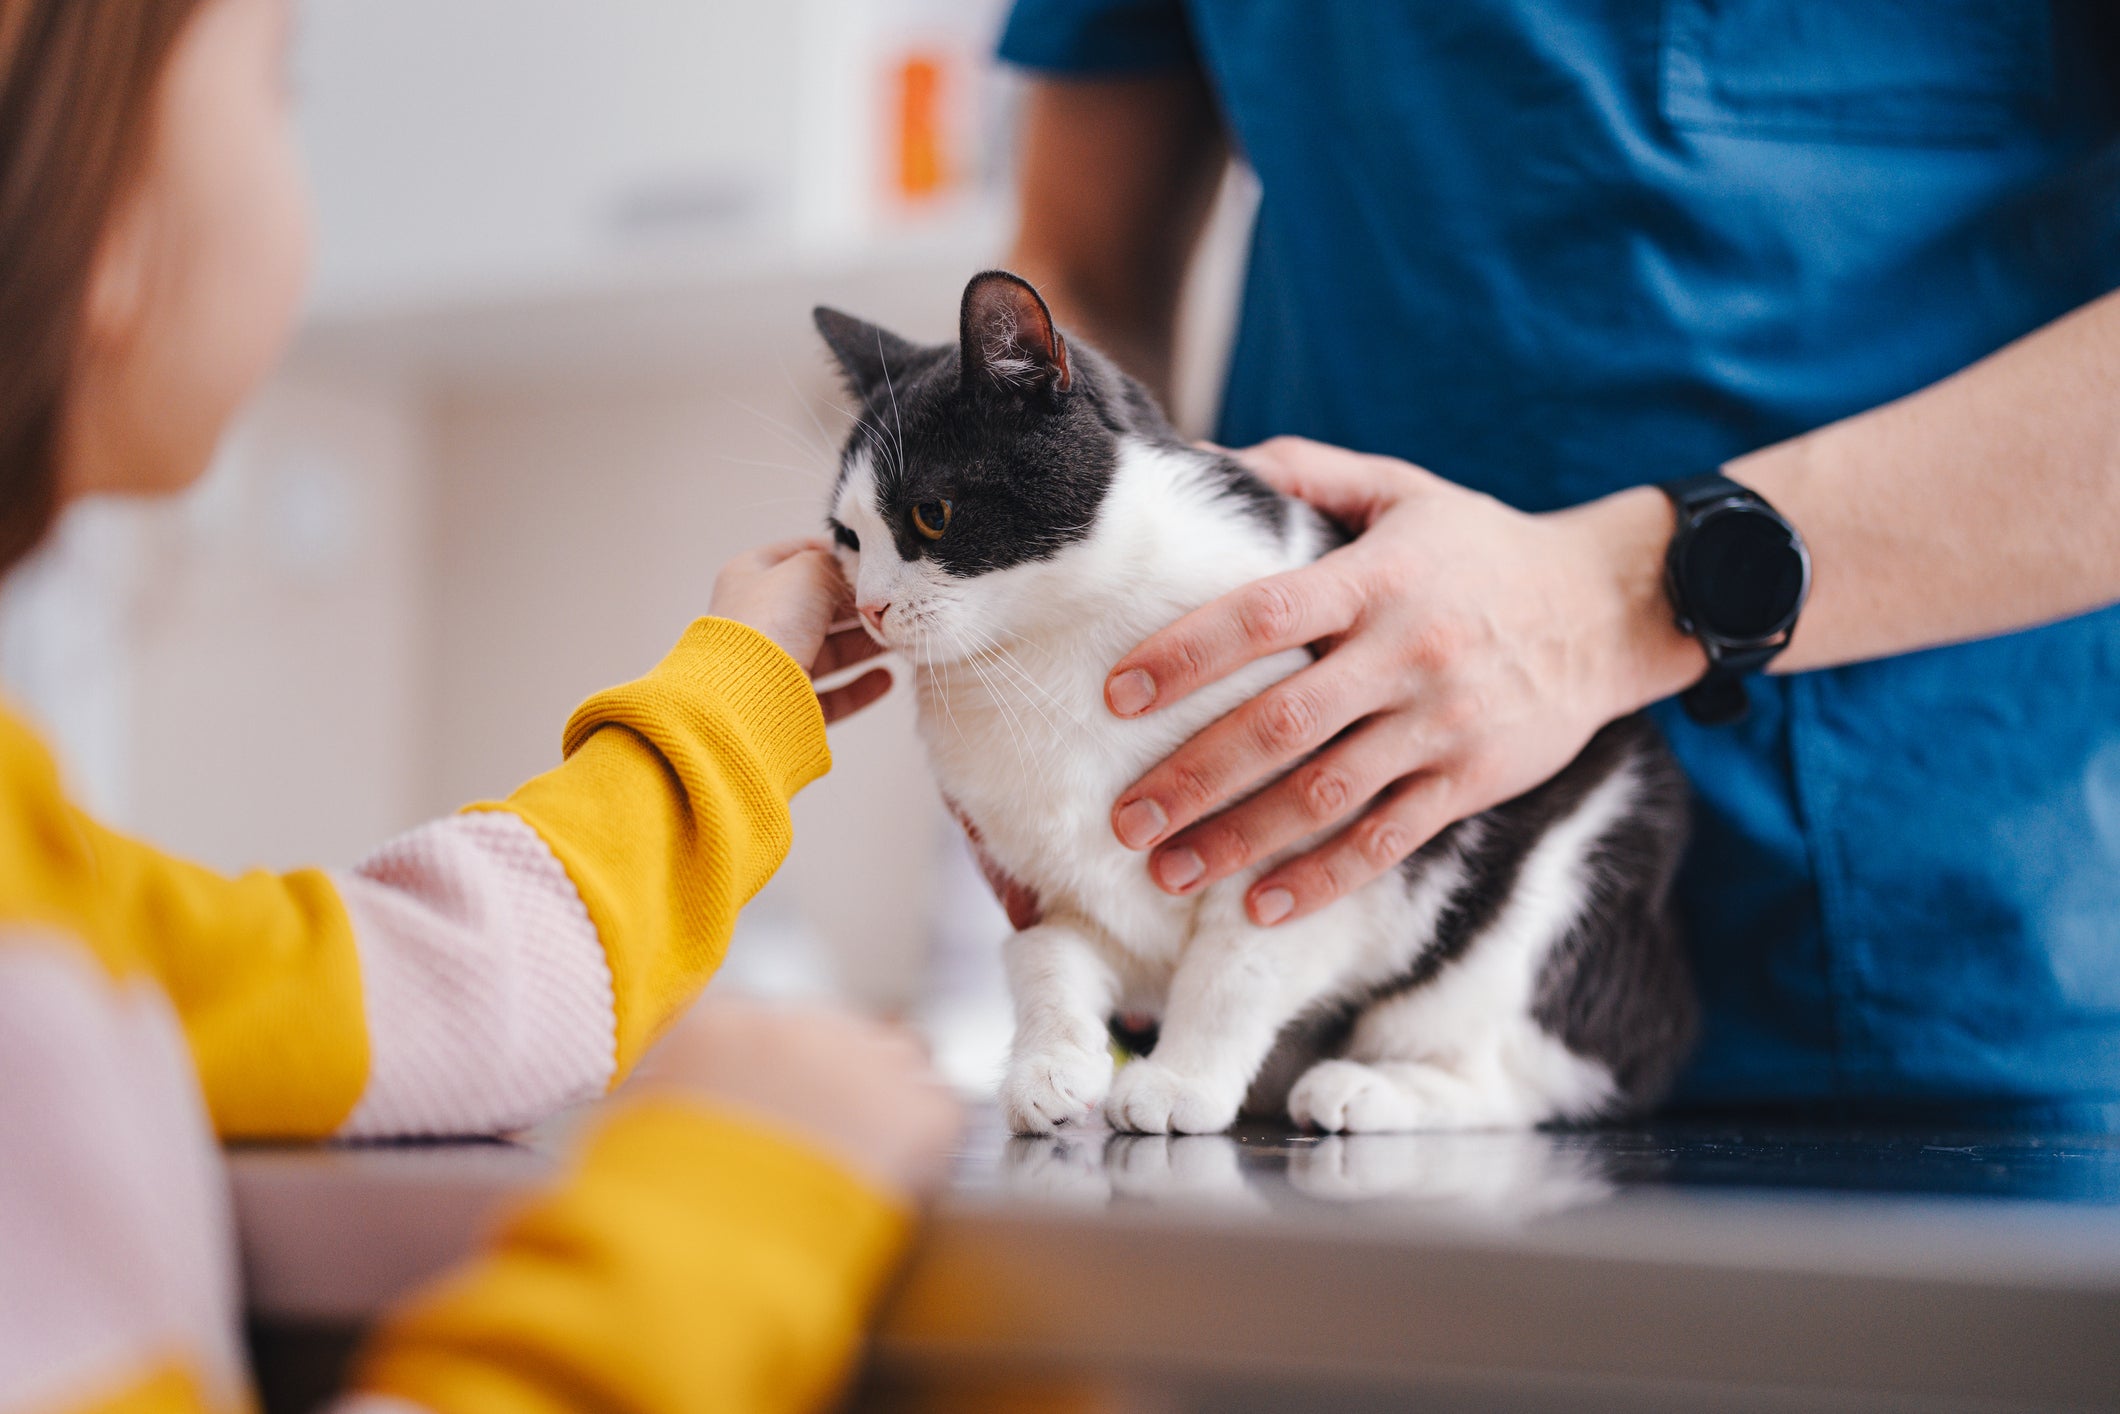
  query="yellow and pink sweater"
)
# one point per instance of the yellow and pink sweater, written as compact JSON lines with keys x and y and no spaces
{"x":469,"y":977}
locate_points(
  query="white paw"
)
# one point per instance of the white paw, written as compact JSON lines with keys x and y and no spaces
{"x":1055,"y":1087}
{"x":1347,"y":1097}
{"x":1148,"y":1098}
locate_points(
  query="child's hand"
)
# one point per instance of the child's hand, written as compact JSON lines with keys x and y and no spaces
{"x":793,"y":593}
{"x":859,"y":1090}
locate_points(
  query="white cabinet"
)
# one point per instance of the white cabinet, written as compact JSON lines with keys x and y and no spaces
{"x":476,"y":151}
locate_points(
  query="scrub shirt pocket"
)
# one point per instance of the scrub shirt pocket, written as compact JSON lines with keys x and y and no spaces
{"x":1943,"y":72}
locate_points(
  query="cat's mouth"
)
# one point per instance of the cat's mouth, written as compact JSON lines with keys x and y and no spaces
{"x":895,"y":626}
{"x":919,"y":634}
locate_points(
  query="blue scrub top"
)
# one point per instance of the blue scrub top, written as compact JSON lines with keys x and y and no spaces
{"x":1553,"y":248}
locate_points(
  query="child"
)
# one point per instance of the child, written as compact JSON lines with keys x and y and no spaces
{"x":724,"y":1230}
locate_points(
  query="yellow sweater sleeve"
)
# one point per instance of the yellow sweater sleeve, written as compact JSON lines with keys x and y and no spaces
{"x":260,"y":969}
{"x":671,"y":810}
{"x":693,"y":1262}
{"x":169,"y":1389}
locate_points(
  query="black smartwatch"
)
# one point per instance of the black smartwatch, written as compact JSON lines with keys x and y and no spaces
{"x":1738,"y":574}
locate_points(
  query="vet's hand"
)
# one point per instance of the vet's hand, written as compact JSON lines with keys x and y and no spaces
{"x":794,"y":594}
{"x":859,"y":1090}
{"x":1466,"y":653}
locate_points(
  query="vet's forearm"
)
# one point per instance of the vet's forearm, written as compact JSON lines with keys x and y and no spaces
{"x":1118,"y":178}
{"x":1986,"y":503}
{"x":1983,"y":504}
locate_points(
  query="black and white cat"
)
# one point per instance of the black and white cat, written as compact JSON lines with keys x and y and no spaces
{"x":1015,"y":514}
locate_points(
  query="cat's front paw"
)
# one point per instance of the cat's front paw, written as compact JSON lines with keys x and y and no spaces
{"x":1342,"y":1096}
{"x":1054,"y":1088}
{"x":1148,"y":1098}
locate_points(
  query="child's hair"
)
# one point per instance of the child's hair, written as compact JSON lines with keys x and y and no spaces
{"x":78,"y":80}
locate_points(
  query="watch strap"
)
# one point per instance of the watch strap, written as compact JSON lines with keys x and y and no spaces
{"x":1719,"y":698}
{"x":1691,"y":493}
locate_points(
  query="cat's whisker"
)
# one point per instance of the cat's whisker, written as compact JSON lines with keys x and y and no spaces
{"x":879,"y":438}
{"x":792,"y":435}
{"x":896,"y":416}
{"x":807,"y":401}
{"x":754,"y":462}
{"x":1030,"y":680}
{"x":1002,"y":658}
{"x":997,"y":658}
{"x":1039,"y":763}
{"x":947,"y":710}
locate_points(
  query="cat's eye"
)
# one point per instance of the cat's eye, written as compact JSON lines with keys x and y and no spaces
{"x":931,"y":518}
{"x":847,"y":539}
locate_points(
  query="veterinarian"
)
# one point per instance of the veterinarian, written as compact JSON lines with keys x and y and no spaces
{"x":1807,"y":302}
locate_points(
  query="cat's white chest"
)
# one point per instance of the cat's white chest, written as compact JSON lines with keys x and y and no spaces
{"x":1036,"y":764}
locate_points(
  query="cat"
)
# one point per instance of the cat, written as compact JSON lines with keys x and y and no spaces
{"x":1015,"y":513}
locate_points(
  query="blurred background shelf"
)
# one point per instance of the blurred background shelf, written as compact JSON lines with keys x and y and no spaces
{"x":673,"y":311}
{"x":501,"y":149}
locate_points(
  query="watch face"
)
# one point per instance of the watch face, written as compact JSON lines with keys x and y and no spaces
{"x":1742,"y":573}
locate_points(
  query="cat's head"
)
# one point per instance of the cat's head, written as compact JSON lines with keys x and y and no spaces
{"x":975,"y":469}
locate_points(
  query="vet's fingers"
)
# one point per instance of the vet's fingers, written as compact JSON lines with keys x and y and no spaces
{"x":1269,"y":616}
{"x":1405,"y":817}
{"x":1290,"y":719}
{"x":843,"y":649}
{"x":846,"y":701}
{"x":1351,"y":487}
{"x":1322,"y":793}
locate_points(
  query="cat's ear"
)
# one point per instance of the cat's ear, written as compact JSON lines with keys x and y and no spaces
{"x":869,"y":356}
{"x":1009,"y":338}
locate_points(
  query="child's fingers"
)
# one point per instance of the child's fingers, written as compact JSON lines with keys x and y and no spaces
{"x":843,"y":648}
{"x":846,"y":701}
{"x":767,"y":556}
{"x":821,"y":575}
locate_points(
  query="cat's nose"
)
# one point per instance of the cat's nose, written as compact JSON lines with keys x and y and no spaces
{"x":874,"y":614}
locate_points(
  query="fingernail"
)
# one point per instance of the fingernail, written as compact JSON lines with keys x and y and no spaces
{"x":1140,"y":822}
{"x":1132,"y":693}
{"x":1179,"y":868}
{"x":1272,"y":906}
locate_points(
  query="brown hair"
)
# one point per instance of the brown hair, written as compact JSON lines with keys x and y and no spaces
{"x":78,"y":80}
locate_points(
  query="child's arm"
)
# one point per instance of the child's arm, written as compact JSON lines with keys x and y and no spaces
{"x":718,"y":1246}
{"x":714,"y":1248}
{"x":117,"y":1267}
{"x":487,"y":969}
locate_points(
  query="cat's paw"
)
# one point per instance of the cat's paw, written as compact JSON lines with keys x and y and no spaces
{"x":1347,"y":1097}
{"x":1148,"y":1098}
{"x":1054,"y":1088}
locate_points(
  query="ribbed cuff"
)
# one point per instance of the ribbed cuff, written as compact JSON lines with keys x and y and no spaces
{"x":748,"y":675}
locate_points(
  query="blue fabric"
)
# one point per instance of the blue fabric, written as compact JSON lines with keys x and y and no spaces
{"x":1551,"y":248}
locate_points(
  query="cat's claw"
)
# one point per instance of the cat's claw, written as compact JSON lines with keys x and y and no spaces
{"x":1054,"y":1089}
{"x":1148,"y":1098}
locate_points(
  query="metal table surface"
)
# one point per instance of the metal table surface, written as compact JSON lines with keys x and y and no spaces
{"x":1673,"y":1266}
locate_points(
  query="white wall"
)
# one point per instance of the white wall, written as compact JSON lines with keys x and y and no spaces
{"x":578,"y":529}
{"x":239,"y":672}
